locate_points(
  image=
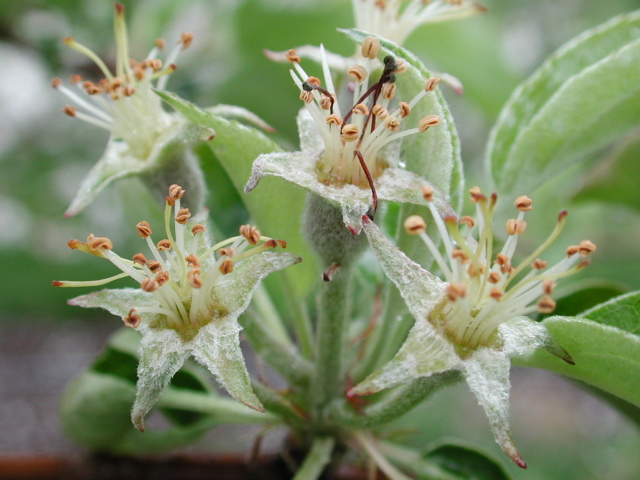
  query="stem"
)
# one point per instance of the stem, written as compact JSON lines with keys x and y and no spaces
{"x":317,"y":459}
{"x":224,"y":409}
{"x":333,"y":310}
{"x":301,"y":321}
{"x":370,"y":445}
{"x":413,"y":461}
{"x":269,"y":315}
{"x":276,"y":404}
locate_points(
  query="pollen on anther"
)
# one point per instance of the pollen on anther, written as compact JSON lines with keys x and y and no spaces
{"x":514,"y":226}
{"x":315,"y":81}
{"x":524,"y":203}
{"x":149,"y":285}
{"x":194,"y":278}
{"x":226,"y":267}
{"x":162,"y":278}
{"x":548,"y":286}
{"x":546,"y":304}
{"x":229,"y":251}
{"x":97,"y":243}
{"x":186,"y":38}
{"x":467,"y":220}
{"x":164,"y":245}
{"x":379,"y":111}
{"x":358,"y":72}
{"x":292,"y":56}
{"x":494,"y":277}
{"x":539,"y":264}
{"x":196,"y":229}
{"x":427,"y":122}
{"x":455,"y":291}
{"x":370,"y":47}
{"x":140,"y":259}
{"x":415,"y":225}
{"x":333,"y":119}
{"x":175,"y":193}
{"x":572,"y":250}
{"x":361,"y":109}
{"x":389,"y":90}
{"x":154,"y":266}
{"x":56,"y":82}
{"x":350,"y":133}
{"x":251,"y":233}
{"x":586,"y":247}
{"x":159,"y":43}
{"x":432,"y":83}
{"x":192,"y":261}
{"x":496,"y":293}
{"x":458,"y":254}
{"x":69,"y":110}
{"x":476,"y":195}
{"x":427,"y":192}
{"x":144,"y":229}
{"x":183,"y":216}
{"x":132,"y":319}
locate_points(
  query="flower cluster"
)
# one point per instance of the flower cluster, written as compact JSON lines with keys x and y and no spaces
{"x":189,"y":298}
{"x":473,"y":321}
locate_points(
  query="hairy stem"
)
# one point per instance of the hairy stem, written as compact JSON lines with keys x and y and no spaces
{"x":317,"y":459}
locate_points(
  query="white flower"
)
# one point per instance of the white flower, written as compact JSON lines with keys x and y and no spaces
{"x":188,"y":301}
{"x":350,"y":154}
{"x":473,"y":321}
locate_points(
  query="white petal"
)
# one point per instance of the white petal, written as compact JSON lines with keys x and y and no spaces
{"x":116,"y":301}
{"x":311,"y":141}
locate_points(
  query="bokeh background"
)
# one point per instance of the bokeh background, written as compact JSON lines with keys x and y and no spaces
{"x":564,"y":431}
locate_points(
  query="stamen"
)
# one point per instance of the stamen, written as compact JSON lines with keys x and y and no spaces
{"x":370,"y":47}
{"x":133,"y":319}
{"x":140,"y":259}
{"x":144,"y":229}
{"x":415,"y":225}
{"x":251,"y":233}
{"x":226,"y":267}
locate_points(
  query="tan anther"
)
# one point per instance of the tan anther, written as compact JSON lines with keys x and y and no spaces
{"x":183,"y":216}
{"x":475,"y":269}
{"x":496,"y":293}
{"x":116,"y":82}
{"x":455,"y":291}
{"x":96,"y":243}
{"x":154,"y":266}
{"x":162,"y":278}
{"x":389,"y":90}
{"x":326,"y":102}
{"x":226,"y":267}
{"x":523,"y":203}
{"x":139,"y":72}
{"x":548,"y":286}
{"x":546,"y":304}
{"x":350,"y":133}
{"x":175,"y":193}
{"x":460,"y":255}
{"x":194,"y":278}
{"x":132,"y":319}
{"x":514,"y":226}
{"x":476,"y":194}
{"x":405,"y":109}
{"x":229,"y":251}
{"x":572,"y":250}
{"x":370,"y":47}
{"x":583,"y":263}
{"x":75,"y":78}
{"x":427,"y":192}
{"x":92,"y":89}
{"x":507,"y":268}
{"x":494,"y":277}
{"x":149,"y":285}
{"x":192,"y":261}
{"x":361,"y":109}
{"x":164,"y":245}
{"x":401,"y":66}
{"x":392,"y":123}
{"x":69,"y":110}
{"x":314,"y":81}
{"x":139,"y":258}
{"x":379,"y":111}
{"x":144,"y":229}
{"x":159,"y":43}
{"x":381,"y":4}
{"x":427,"y":122}
{"x":186,"y":38}
{"x":155,"y":64}
{"x":467,"y":220}
{"x":415,"y":225}
{"x":292,"y":56}
{"x":128,"y":91}
{"x":539,"y":264}
{"x":251,"y":233}
{"x":431,"y":84}
{"x":502,"y":259}
{"x":56,"y":82}
{"x":586,"y":247}
{"x":282,"y":243}
{"x":272,"y":243}
{"x":358,"y":72}
{"x":305,"y":96}
{"x":333,"y":119}
{"x":198,"y":228}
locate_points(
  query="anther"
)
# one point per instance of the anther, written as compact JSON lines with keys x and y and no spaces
{"x":427,"y":122}
{"x":524,"y":203}
{"x":496,"y":293}
{"x":467,"y":220}
{"x":392,"y":123}
{"x":198,"y":228}
{"x":144,"y":229}
{"x":183,"y":216}
{"x":282,"y":243}
{"x":149,"y":285}
{"x":358,"y":72}
{"x":132,"y":319}
{"x":455,"y":291}
{"x":326,"y":102}
{"x":494,"y":277}
{"x":401,"y":66}
{"x":155,"y":64}
{"x":514,"y":226}
{"x":458,"y":254}
{"x":162,"y":278}
{"x":159,"y":43}
{"x":226,"y":267}
{"x":164,"y":245}
{"x":476,"y":195}
{"x":370,"y":47}
{"x":427,"y":193}
{"x":229,"y":251}
{"x":379,"y":111}
{"x":539,"y":264}
{"x":333,"y":119}
{"x":314,"y":81}
{"x":389,"y":90}
{"x":192,"y":261}
{"x":306,"y":96}
{"x":586,"y":247}
{"x":415,"y":225}
{"x":475,"y":270}
{"x":127,"y":91}
{"x":96,"y":243}
{"x":69,"y":110}
{"x":502,"y":259}
{"x":292,"y":56}
{"x":194,"y":278}
{"x":251,"y":233}
{"x":546,"y":304}
{"x":186,"y":38}
{"x":140,"y":259}
{"x":154,"y":266}
{"x":431,"y":84}
{"x":175,"y":193}
{"x":56,"y":82}
{"x":350,"y":133}
{"x":75,"y":78}
{"x":361,"y":109}
{"x":572,"y":250}
{"x":405,"y":109}
{"x":548,"y":286}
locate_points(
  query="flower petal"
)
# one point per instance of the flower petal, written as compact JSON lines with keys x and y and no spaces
{"x":311,"y":141}
{"x":487,"y":374}
{"x":162,"y":353}
{"x":522,"y":334}
{"x":116,"y":301}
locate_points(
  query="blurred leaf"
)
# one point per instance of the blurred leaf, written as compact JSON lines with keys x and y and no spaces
{"x":605,"y":356}
{"x":276,"y":206}
{"x":465,"y":462}
{"x":585,"y":96}
{"x":622,"y":312}
{"x":586,"y":294}
{"x":615,"y":179}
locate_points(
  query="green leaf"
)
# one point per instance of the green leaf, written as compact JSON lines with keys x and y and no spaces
{"x":581,"y":99}
{"x":466,"y":462}
{"x":276,"y":206}
{"x":435,"y":154}
{"x":622,"y":312}
{"x":605,"y":356}
{"x":585,"y":294}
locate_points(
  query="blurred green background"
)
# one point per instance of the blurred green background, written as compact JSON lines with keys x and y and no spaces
{"x":563,"y":433}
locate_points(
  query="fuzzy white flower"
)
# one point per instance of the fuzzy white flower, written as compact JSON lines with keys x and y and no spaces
{"x":188,"y":301}
{"x":472,"y":320}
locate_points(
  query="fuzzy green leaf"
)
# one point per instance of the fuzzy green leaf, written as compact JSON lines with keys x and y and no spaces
{"x":622,"y":312}
{"x":581,"y":99}
{"x":605,"y":356}
{"x":276,"y":206}
{"x":466,"y":462}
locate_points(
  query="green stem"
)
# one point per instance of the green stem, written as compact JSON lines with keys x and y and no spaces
{"x":276,"y":404}
{"x":333,"y":312}
{"x":270,"y":317}
{"x":317,"y":459}
{"x":301,"y":321}
{"x":397,"y":402}
{"x":413,"y":461}
{"x":371,"y":447}
{"x":223,"y":409}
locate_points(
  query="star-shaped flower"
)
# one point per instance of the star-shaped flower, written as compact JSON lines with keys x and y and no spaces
{"x":350,"y":156}
{"x":473,"y":320}
{"x":188,"y":301}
